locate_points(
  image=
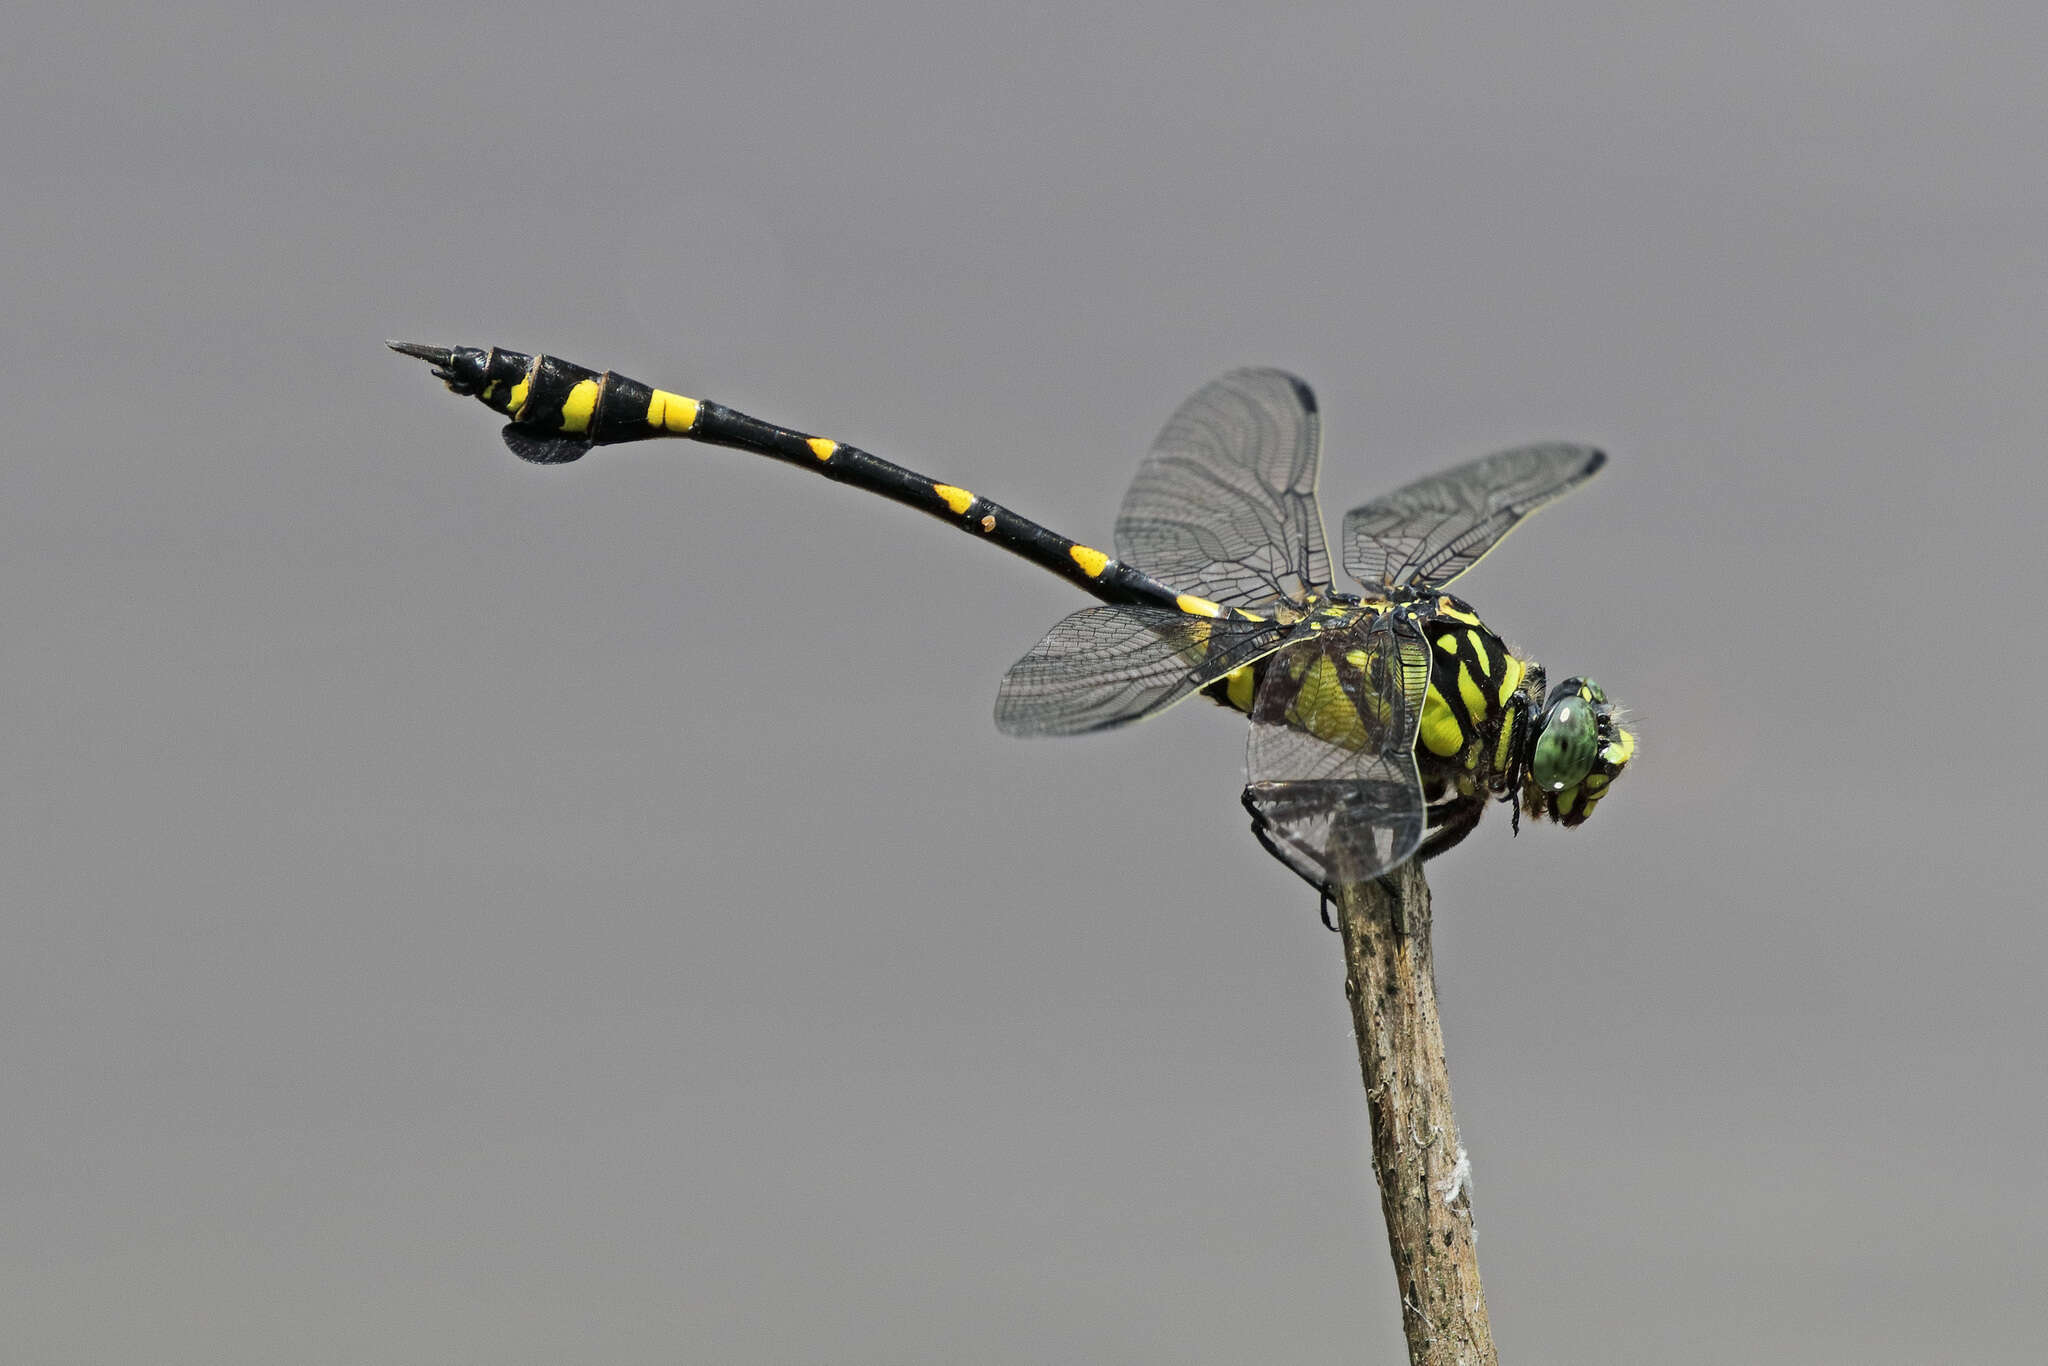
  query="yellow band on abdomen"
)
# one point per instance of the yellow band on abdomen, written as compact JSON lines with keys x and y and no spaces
{"x":579,"y":405}
{"x":671,"y":412}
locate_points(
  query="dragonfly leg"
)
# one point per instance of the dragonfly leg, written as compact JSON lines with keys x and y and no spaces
{"x":1446,"y":834}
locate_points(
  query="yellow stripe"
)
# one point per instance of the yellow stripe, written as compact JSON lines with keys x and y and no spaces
{"x":671,"y":412}
{"x":515,"y":402}
{"x":1479,"y":648}
{"x":1502,"y":751}
{"x":1197,"y":607}
{"x":1448,"y":643}
{"x":1243,"y":615}
{"x":579,"y":405}
{"x":1443,"y":606}
{"x":1092,"y":561}
{"x":1468,"y":690}
{"x":957,"y":499}
{"x":1237,"y":687}
{"x":822,"y":447}
{"x":1440,"y":731}
{"x":1324,"y":710}
{"x":1510,"y":679}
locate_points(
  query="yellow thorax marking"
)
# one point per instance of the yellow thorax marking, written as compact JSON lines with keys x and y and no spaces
{"x":1479,"y":649}
{"x":1444,"y":608}
{"x":1198,"y":607}
{"x":1440,"y":731}
{"x":1510,"y":678}
{"x":957,"y":499}
{"x":1448,"y":643}
{"x":1470,"y":694}
{"x":1323,"y":710}
{"x":671,"y":412}
{"x":1378,"y":704}
{"x":579,"y":405}
{"x":822,"y":446}
{"x":1092,"y":561}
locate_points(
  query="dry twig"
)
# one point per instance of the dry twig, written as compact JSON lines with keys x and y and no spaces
{"x":1425,"y":1179}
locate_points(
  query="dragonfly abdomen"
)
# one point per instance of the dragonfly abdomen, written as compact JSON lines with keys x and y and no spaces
{"x":559,"y":410}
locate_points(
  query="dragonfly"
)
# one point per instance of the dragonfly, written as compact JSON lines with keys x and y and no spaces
{"x":1383,"y":721}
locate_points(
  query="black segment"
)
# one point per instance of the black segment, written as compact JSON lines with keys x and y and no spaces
{"x":622,"y":412}
{"x":547,"y":389}
{"x":1116,"y":583}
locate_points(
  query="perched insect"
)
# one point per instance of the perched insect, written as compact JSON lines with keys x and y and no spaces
{"x":1382,"y":723}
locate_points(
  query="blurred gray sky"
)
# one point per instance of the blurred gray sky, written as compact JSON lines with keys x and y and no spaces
{"x":463,"y":912}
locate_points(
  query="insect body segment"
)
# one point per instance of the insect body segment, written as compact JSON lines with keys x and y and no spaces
{"x":1381,"y":725}
{"x":560,"y":410}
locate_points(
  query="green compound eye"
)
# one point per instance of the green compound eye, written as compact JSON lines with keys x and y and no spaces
{"x":1565,"y":745}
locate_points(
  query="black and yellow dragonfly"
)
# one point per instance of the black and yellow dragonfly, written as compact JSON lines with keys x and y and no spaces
{"x":1382,"y":722}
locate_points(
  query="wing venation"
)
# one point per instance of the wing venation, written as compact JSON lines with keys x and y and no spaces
{"x":1107,"y":666}
{"x":1334,"y":790}
{"x":1225,"y":504}
{"x":1429,"y":532}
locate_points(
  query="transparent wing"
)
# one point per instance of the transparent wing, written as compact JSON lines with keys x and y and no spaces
{"x":1104,"y":666}
{"x":1334,"y":791}
{"x":1225,"y":505}
{"x":1429,"y":532}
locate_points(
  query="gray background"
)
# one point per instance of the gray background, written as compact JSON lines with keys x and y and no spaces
{"x":462,"y":912}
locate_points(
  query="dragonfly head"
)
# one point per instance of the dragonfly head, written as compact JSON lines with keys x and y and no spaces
{"x":1577,"y":750}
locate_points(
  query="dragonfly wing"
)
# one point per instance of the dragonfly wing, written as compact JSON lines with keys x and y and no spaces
{"x":1334,"y":790}
{"x":1225,"y":505}
{"x":1106,"y":666}
{"x":1429,"y":532}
